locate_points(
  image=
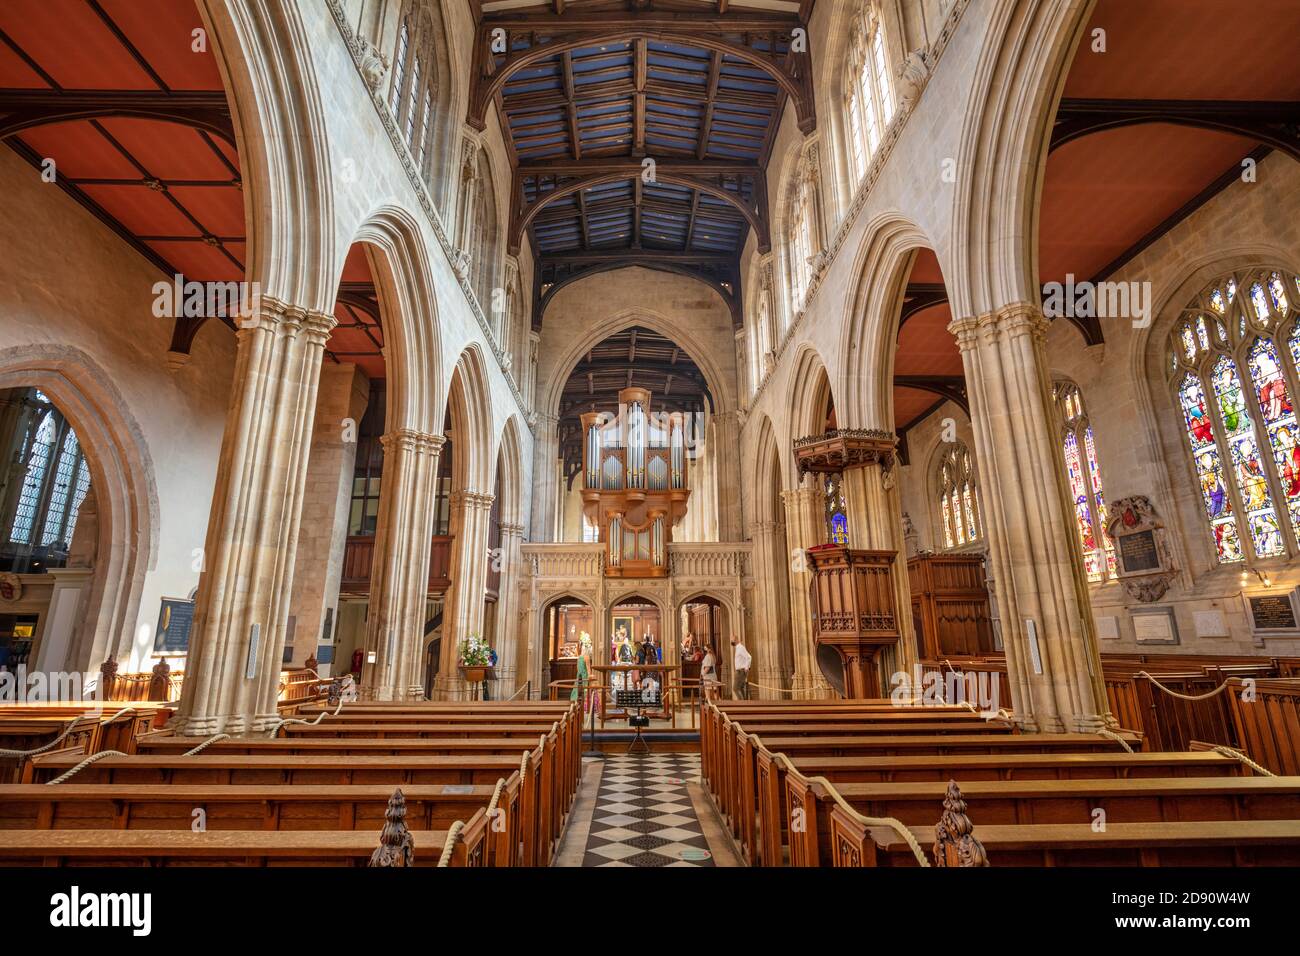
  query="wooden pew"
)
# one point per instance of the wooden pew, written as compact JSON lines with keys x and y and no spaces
{"x":73,"y":806}
{"x":1037,"y":802}
{"x":216,"y":847}
{"x":1232,"y":843}
{"x":771,"y":807}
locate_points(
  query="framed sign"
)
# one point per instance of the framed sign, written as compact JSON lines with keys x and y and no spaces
{"x":1137,"y":551}
{"x":1272,"y":613}
{"x":175,"y":619}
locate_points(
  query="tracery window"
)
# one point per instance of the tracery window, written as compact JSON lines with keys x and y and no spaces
{"x":1234,"y":366}
{"x":868,"y":92}
{"x":1083,"y":475}
{"x":800,"y":240}
{"x":958,"y":497}
{"x":414,"y":93}
{"x":50,"y":484}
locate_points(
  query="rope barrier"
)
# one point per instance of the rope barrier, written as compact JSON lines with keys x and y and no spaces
{"x":204,"y":746}
{"x":1173,"y":693}
{"x":85,"y":763}
{"x":1238,"y":755}
{"x":59,"y":739}
{"x":449,"y":848}
{"x":280,"y":722}
{"x":898,"y":826}
{"x":1116,"y":737}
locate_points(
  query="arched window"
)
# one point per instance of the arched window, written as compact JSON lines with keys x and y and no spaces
{"x":414,"y":98}
{"x":958,"y":498}
{"x":1084,"y":477}
{"x":800,"y":245}
{"x":760,"y":343}
{"x":41,"y":501}
{"x":1232,"y":361}
{"x":868,"y":92}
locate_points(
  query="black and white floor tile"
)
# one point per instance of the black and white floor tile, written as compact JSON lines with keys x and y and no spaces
{"x":644,"y":814}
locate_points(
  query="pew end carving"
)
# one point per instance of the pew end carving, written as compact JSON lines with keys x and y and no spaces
{"x":396,"y":845}
{"x":954,"y":840}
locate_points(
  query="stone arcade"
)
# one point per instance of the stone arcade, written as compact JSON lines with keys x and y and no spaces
{"x":490,"y":357}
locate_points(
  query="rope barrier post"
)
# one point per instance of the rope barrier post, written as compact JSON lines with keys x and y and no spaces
{"x":593,"y":752}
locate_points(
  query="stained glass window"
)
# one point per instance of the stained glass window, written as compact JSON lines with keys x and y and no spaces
{"x":1083,"y":476}
{"x":868,"y":92}
{"x":837,"y":509}
{"x":1236,"y":394}
{"x":958,"y":497}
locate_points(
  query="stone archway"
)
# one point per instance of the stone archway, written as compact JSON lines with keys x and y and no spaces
{"x":122,"y":475}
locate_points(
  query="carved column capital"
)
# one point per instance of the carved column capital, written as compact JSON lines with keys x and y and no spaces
{"x":275,"y":315}
{"x":410,"y":439}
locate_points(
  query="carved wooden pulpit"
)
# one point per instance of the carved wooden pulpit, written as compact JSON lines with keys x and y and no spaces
{"x":852,"y":600}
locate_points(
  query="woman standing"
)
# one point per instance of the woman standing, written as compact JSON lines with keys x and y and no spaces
{"x":708,"y":671}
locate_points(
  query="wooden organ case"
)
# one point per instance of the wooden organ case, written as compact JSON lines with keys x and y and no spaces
{"x":634,"y":469}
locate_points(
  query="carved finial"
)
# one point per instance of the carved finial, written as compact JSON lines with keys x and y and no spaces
{"x":396,"y":845}
{"x":954,"y":842}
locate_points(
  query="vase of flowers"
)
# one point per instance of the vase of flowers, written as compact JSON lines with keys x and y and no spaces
{"x":475,"y":656}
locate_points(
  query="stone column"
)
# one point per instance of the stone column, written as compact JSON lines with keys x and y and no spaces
{"x":773,"y":667}
{"x":1055,"y":676}
{"x":875,"y":514}
{"x":399,"y":574}
{"x":726,"y":467}
{"x":463,"y":611}
{"x":805,"y":523}
{"x":546,"y":490}
{"x":233,"y":667}
{"x":341,"y":402}
{"x":507,"y":645}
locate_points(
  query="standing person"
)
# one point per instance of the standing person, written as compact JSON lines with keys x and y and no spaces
{"x":708,"y":672}
{"x":740,"y":666}
{"x":583,"y":675}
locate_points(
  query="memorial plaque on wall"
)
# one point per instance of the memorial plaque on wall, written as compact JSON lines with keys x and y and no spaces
{"x":1272,"y":612}
{"x":175,"y":618}
{"x":1156,"y":626}
{"x":1137,"y":551}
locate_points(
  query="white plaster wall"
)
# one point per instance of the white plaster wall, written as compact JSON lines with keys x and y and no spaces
{"x":67,"y":281}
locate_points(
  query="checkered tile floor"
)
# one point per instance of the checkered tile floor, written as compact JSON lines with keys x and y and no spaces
{"x":644,"y":815}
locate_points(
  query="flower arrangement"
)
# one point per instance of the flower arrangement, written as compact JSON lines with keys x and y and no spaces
{"x":474,"y":652}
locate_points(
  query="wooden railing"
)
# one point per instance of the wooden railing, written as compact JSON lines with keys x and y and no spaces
{"x":1266,"y":721}
{"x":358,"y":558}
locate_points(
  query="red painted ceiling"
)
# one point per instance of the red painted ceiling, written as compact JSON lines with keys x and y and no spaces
{"x":1190,"y":50}
{"x":173,"y":190}
{"x":1106,"y":191}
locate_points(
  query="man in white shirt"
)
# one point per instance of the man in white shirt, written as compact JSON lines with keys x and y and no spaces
{"x":740,"y":667}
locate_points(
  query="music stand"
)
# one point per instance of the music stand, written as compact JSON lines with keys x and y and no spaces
{"x":629,"y":699}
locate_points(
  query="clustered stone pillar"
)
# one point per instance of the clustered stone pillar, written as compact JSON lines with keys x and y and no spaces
{"x":233,"y":668}
{"x":341,"y":401}
{"x":875,"y":514}
{"x":463,"y":614}
{"x":772,"y":613}
{"x":805,"y":522}
{"x":399,"y":574}
{"x":546,"y":497}
{"x":509,"y":667}
{"x":726,"y":466}
{"x":1047,"y":627}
